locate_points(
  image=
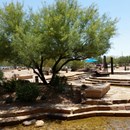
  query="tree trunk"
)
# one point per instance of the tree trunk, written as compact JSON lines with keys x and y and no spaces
{"x":40,"y":75}
{"x":53,"y":77}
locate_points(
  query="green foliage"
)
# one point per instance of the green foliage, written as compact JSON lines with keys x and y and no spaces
{"x":10,"y":86}
{"x":26,"y":91}
{"x":59,"y":33}
{"x":59,"y":83}
{"x":75,"y":65}
{"x":11,"y":17}
{"x":1,"y":75}
{"x":119,"y":61}
{"x":74,"y":32}
{"x":123,"y":60}
{"x":89,"y":67}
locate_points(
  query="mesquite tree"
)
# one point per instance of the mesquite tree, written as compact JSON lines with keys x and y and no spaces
{"x":61,"y":32}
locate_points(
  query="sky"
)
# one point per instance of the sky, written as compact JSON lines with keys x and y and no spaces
{"x":113,"y":8}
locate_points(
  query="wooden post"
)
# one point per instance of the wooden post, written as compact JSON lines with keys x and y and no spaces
{"x":112,"y":70}
{"x":105,"y":64}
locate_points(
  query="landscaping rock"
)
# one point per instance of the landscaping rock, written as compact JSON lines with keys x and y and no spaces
{"x":27,"y":123}
{"x":39,"y":123}
{"x":96,"y":91}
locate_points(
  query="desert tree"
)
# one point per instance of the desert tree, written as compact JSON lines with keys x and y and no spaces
{"x":61,"y":32}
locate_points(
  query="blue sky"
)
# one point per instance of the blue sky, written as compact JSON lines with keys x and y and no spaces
{"x":114,"y":8}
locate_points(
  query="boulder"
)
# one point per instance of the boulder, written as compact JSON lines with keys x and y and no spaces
{"x":39,"y":123}
{"x":96,"y":91}
{"x":27,"y":123}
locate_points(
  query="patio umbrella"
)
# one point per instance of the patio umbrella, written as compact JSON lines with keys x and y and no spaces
{"x":90,"y":60}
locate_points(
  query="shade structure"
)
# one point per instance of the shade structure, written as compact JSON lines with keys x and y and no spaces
{"x":90,"y":60}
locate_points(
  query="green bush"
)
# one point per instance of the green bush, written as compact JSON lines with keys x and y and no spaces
{"x":1,"y":75}
{"x":75,"y":65}
{"x":9,"y":86}
{"x":59,"y":83}
{"x":26,"y":91}
{"x":21,"y":82}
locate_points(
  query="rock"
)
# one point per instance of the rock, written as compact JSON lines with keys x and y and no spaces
{"x":39,"y":123}
{"x":27,"y":123}
{"x":96,"y":91}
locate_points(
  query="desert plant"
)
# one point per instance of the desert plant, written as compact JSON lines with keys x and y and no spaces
{"x":9,"y":86}
{"x":1,"y":78}
{"x":1,"y":75}
{"x":59,"y":83}
{"x":26,"y":91}
{"x":75,"y":65}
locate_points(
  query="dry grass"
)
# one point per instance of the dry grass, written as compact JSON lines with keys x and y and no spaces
{"x":94,"y":123}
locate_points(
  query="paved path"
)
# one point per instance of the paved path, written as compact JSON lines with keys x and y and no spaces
{"x":118,"y":93}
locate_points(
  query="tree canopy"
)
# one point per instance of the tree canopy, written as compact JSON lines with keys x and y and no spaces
{"x":61,"y":32}
{"x":10,"y":18}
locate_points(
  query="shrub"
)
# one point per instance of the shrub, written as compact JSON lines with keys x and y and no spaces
{"x":22,"y":82}
{"x":9,"y":86}
{"x":75,"y":65}
{"x":1,"y":75}
{"x":59,"y":83}
{"x":1,"y":78}
{"x":26,"y":91}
